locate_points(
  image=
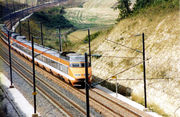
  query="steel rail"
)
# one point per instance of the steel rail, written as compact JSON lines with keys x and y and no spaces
{"x":131,"y":111}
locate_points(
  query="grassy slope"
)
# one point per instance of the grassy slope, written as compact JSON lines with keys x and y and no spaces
{"x":161,"y":27}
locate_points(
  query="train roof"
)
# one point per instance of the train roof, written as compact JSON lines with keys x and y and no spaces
{"x":69,"y":56}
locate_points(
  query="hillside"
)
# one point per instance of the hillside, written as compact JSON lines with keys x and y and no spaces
{"x":90,"y":16}
{"x":159,"y":23}
{"x":93,"y":13}
{"x":161,"y":27}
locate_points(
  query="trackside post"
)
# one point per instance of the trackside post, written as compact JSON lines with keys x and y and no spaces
{"x":87,"y":85}
{"x":60,"y":41}
{"x":11,"y":86}
{"x":29,"y":33}
{"x":11,"y":21}
{"x":19,"y":27}
{"x":42,"y":42}
{"x":34,"y":80}
{"x":89,"y":39}
{"x":144,"y":71}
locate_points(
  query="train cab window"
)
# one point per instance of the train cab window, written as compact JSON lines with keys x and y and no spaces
{"x":78,"y":65}
{"x":75,"y":65}
{"x":83,"y":64}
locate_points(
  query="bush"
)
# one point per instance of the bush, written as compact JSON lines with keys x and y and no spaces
{"x":143,"y":3}
{"x":93,"y":36}
{"x":52,"y":21}
{"x":124,"y":8}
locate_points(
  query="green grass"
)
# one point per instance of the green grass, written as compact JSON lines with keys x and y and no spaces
{"x":158,"y":7}
{"x":83,"y":22}
{"x":90,"y":14}
{"x":92,"y":36}
{"x":53,"y":18}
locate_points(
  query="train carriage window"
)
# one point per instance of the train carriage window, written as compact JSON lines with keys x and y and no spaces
{"x":57,"y":65}
{"x":61,"y":67}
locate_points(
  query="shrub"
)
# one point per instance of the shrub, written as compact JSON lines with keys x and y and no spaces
{"x":93,"y":36}
{"x":53,"y":21}
{"x":124,"y":8}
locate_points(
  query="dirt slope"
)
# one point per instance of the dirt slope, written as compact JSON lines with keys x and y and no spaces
{"x":162,"y":40}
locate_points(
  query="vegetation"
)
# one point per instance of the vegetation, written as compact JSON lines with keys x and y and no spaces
{"x":161,"y":41}
{"x":125,"y":10}
{"x":152,"y":106}
{"x":92,"y":36}
{"x":91,"y":15}
{"x":53,"y":18}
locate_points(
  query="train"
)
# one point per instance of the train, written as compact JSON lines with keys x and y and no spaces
{"x":67,"y":66}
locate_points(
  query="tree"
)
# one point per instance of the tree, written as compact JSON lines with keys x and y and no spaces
{"x":141,"y":4}
{"x":124,"y":8}
{"x":62,"y":10}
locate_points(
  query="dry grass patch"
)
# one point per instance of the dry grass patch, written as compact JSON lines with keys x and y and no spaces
{"x":162,"y":42}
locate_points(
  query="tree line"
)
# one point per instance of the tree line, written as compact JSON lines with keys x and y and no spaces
{"x":125,"y":8}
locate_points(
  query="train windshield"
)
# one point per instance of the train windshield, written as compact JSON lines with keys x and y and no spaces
{"x":78,"y":65}
{"x":77,"y":58}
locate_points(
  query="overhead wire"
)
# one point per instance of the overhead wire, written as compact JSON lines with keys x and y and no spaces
{"x":121,"y":57}
{"x":143,"y":79}
{"x":136,"y":50}
{"x":119,"y":73}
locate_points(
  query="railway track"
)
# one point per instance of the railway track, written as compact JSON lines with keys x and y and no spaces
{"x":25,"y":12}
{"x":69,"y":107}
{"x":99,"y":100}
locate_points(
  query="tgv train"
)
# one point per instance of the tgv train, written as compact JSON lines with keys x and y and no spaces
{"x":68,"y":66}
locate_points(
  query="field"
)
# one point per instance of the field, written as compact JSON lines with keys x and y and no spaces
{"x":93,"y":13}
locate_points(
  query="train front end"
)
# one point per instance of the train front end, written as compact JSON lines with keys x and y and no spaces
{"x":77,"y":69}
